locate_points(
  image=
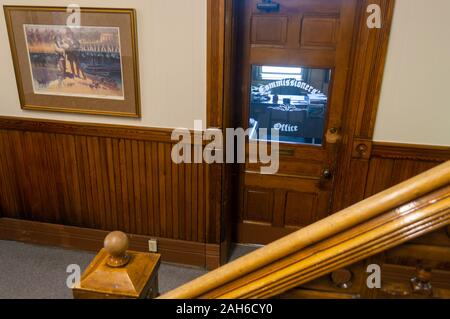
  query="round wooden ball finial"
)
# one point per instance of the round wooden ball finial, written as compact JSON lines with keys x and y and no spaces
{"x":116,"y":244}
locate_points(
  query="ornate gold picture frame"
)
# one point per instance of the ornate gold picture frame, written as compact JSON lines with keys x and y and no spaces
{"x":91,"y":67}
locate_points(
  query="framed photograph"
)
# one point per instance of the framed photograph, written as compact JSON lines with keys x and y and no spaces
{"x":88,"y":67}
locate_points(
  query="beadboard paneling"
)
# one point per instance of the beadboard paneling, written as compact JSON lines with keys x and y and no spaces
{"x":105,"y":178}
{"x":391,"y":164}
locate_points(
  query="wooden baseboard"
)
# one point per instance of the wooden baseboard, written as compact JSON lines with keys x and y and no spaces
{"x":172,"y":251}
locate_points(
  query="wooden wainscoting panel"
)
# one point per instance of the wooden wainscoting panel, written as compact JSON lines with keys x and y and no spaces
{"x":384,"y":173}
{"x":376,"y":166}
{"x":106,"y":178}
{"x":391,"y":164}
{"x":9,"y":205}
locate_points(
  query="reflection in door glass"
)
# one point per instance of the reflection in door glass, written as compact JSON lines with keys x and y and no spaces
{"x":292,"y":100}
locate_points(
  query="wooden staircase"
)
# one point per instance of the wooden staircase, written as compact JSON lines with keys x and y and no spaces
{"x":401,"y":214}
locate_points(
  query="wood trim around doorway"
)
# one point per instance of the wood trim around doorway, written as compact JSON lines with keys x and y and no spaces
{"x":368,"y":61}
{"x":215,"y":61}
{"x":369,"y":57}
{"x":220,"y":65}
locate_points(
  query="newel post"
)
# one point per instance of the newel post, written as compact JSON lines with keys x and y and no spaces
{"x":117,"y":273}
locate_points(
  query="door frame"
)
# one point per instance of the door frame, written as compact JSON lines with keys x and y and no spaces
{"x":368,"y":58}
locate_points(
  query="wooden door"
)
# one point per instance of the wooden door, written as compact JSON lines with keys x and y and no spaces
{"x":293,"y":67}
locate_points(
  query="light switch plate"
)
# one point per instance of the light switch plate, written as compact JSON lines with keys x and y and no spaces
{"x":153,"y":246}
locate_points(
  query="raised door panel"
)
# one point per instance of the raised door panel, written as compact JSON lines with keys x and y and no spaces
{"x":258,"y":205}
{"x":319,"y":32}
{"x":268,"y":30}
{"x":300,"y":209}
{"x":275,"y":206}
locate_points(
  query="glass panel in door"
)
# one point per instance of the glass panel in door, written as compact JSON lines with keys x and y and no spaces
{"x":292,"y":100}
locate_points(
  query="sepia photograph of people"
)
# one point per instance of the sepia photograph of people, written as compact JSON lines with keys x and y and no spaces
{"x":80,"y":61}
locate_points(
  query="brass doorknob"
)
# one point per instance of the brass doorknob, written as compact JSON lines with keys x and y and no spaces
{"x":333,"y":136}
{"x":327,"y":174}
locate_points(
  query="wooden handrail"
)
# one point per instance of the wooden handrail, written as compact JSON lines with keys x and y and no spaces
{"x":224,"y":282}
{"x":345,"y":249}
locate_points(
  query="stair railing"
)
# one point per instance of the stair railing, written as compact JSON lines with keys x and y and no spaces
{"x":402,"y":213}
